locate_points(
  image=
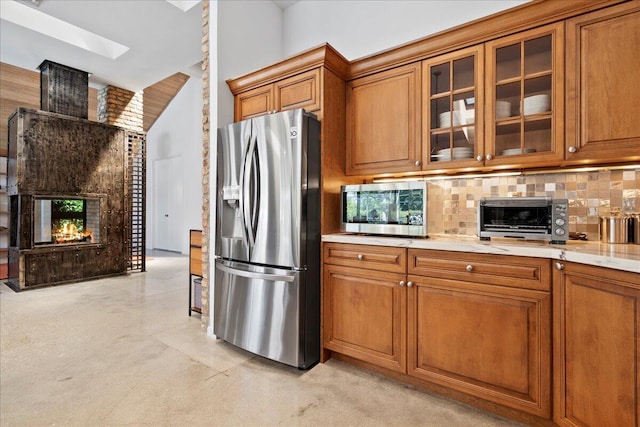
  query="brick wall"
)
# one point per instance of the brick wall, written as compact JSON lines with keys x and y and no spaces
{"x":121,"y":107}
{"x":205,"y":165}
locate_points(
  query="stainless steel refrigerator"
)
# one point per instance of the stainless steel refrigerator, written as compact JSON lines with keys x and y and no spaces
{"x":267,"y":247}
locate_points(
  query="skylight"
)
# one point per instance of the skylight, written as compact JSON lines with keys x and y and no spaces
{"x":184,"y":5}
{"x":35,"y":20}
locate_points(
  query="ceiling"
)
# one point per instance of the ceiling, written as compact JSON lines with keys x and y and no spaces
{"x":161,"y":37}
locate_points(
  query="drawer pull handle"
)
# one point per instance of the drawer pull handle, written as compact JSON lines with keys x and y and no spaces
{"x":559,"y":266}
{"x":360,"y":257}
{"x":401,"y":283}
{"x":469,"y":268}
{"x":409,"y":284}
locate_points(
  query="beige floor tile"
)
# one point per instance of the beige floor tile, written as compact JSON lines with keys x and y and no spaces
{"x":123,"y":352}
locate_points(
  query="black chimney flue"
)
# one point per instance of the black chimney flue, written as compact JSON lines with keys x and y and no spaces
{"x":64,"y":90}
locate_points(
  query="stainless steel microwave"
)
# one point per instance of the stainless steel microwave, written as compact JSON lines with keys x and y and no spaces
{"x":396,"y":208}
{"x":529,"y":218}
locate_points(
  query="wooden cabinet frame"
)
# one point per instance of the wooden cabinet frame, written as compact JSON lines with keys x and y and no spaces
{"x":475,"y":328}
{"x":364,"y":315}
{"x":602,"y":108}
{"x":477,"y":53}
{"x":383,"y":122}
{"x":554,"y":156}
{"x":596,"y":346}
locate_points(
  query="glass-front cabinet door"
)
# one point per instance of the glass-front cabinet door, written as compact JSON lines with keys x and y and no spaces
{"x":525,"y":90}
{"x":452,"y":108}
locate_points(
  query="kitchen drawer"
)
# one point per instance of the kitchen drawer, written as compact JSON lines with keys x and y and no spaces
{"x":502,"y":270}
{"x":382,"y":258}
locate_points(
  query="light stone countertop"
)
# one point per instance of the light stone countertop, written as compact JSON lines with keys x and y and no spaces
{"x":624,"y":257}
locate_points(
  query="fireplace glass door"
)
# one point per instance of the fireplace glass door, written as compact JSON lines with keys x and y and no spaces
{"x":60,"y":221}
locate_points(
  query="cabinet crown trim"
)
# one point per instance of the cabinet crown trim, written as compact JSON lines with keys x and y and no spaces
{"x":323,"y":55}
{"x":517,"y":19}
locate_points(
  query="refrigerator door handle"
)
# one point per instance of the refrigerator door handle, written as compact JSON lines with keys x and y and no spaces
{"x":245,"y":185}
{"x":253,"y":275}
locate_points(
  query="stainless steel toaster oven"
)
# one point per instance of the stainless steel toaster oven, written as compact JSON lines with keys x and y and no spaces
{"x":529,"y":218}
{"x":397,"y":208}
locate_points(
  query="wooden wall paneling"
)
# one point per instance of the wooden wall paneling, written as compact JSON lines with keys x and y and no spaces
{"x":158,"y":96}
{"x":20,"y":87}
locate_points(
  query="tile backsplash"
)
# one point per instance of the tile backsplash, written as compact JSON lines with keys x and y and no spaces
{"x":453,"y":203}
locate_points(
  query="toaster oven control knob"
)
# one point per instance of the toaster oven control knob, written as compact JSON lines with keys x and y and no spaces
{"x":360,"y":257}
{"x":469,"y":268}
{"x":560,"y":231}
{"x":559,"y":221}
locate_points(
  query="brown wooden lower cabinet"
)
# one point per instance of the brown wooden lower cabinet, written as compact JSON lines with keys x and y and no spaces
{"x":365,"y":317}
{"x":479,"y":328}
{"x":489,"y":341}
{"x":596,"y":346}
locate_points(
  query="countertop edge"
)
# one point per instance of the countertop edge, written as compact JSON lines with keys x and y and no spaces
{"x":619,"y":257}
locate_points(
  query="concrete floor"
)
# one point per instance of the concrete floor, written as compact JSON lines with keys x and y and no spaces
{"x":122,"y":351}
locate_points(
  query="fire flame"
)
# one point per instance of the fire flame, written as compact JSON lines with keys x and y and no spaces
{"x":69,"y":233}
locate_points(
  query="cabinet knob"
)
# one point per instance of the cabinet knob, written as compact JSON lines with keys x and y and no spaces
{"x":559,"y":266}
{"x":469,"y":267}
{"x":418,"y":162}
{"x":401,"y":283}
{"x":489,"y":157}
{"x":360,"y":257}
{"x":572,"y":149}
{"x":479,"y":158}
{"x":409,"y":284}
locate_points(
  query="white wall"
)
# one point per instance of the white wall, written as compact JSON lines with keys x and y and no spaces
{"x":358,"y":28}
{"x":249,"y":37}
{"x":178,"y":133}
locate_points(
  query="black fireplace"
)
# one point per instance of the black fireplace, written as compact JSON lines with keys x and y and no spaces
{"x":71,"y":184}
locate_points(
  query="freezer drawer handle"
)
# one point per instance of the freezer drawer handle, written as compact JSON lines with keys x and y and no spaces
{"x":252,"y":275}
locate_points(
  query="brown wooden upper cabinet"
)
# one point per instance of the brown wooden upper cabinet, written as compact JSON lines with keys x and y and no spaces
{"x":500,"y":104}
{"x":299,"y":91}
{"x":452,"y":134}
{"x":383,"y":122}
{"x":524,"y":109}
{"x":496,"y":104}
{"x":603,"y":85}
